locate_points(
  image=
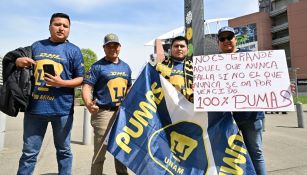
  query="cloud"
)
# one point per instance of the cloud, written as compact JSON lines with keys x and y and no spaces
{"x":135,"y":21}
{"x":23,"y":31}
{"x":132,"y":37}
{"x":82,"y":5}
{"x":18,"y":31}
{"x":87,"y":5}
{"x":226,"y":8}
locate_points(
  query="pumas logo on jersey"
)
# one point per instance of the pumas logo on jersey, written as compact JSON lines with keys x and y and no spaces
{"x":117,"y":89}
{"x":177,"y":81}
{"x":39,"y":73}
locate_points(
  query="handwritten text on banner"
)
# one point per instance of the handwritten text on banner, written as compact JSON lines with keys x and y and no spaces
{"x":244,"y":81}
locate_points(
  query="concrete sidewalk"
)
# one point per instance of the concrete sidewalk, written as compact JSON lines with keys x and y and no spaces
{"x":285,"y":147}
{"x":46,"y":164}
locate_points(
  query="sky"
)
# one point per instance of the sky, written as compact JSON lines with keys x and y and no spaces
{"x":136,"y":22}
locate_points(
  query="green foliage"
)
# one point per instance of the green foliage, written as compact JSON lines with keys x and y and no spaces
{"x":301,"y":99}
{"x":89,"y":57}
{"x":81,"y":102}
{"x":78,"y":97}
{"x":77,"y":92}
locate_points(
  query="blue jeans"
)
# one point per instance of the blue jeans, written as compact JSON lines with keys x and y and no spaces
{"x":252,"y":135}
{"x":34,"y":129}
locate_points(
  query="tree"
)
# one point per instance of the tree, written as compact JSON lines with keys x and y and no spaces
{"x":89,"y":57}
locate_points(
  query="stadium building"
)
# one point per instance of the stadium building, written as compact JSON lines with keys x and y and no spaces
{"x":279,"y":24}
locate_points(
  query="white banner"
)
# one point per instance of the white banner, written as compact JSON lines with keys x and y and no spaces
{"x":244,"y":81}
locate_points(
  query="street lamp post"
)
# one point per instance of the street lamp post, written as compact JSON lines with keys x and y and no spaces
{"x":296,"y":87}
{"x":299,"y":106}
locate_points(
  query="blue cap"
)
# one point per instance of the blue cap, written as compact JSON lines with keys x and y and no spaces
{"x":225,"y":29}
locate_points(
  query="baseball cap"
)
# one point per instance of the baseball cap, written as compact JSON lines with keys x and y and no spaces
{"x":225,"y":29}
{"x":111,"y":38}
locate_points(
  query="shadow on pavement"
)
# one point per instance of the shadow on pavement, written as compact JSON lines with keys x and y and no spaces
{"x":287,"y":126}
{"x":76,"y":142}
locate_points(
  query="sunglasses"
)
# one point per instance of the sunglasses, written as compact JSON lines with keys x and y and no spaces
{"x":229,"y":38}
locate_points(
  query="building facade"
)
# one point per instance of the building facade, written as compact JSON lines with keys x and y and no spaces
{"x":281,"y":24}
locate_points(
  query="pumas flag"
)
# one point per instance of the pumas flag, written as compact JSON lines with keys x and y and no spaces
{"x":157,"y":132}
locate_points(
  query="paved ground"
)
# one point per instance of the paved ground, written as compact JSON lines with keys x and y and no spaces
{"x":285,"y":147}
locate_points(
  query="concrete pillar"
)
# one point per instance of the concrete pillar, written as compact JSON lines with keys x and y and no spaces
{"x":87,"y":128}
{"x":300,"y":115}
{"x":263,"y":124}
{"x":2,"y":129}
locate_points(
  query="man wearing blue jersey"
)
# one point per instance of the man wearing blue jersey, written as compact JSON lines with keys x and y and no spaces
{"x":250,"y":123}
{"x":53,"y":95}
{"x":177,"y":69}
{"x":109,"y":79}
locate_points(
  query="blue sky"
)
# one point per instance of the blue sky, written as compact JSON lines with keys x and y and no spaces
{"x":135,"y":22}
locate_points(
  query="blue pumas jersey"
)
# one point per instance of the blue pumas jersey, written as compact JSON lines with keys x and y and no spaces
{"x":110,"y":82}
{"x":67,"y":61}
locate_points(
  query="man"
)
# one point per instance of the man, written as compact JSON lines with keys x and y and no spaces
{"x":250,"y":123}
{"x":177,"y":69}
{"x":109,"y":79}
{"x":53,"y":96}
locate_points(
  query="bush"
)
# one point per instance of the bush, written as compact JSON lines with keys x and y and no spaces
{"x":302,"y":99}
{"x":81,"y":102}
{"x":78,"y":92}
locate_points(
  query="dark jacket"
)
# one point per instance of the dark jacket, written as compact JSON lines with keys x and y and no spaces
{"x":17,"y":83}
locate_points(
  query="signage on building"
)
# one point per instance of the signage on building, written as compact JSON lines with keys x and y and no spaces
{"x":301,"y":81}
{"x":247,"y":37}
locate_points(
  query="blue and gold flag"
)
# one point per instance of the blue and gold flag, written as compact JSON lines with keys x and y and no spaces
{"x":158,"y":132}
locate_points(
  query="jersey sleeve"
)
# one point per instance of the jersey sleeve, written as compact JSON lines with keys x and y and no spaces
{"x":91,"y":76}
{"x":129,"y":77}
{"x":78,"y":64}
